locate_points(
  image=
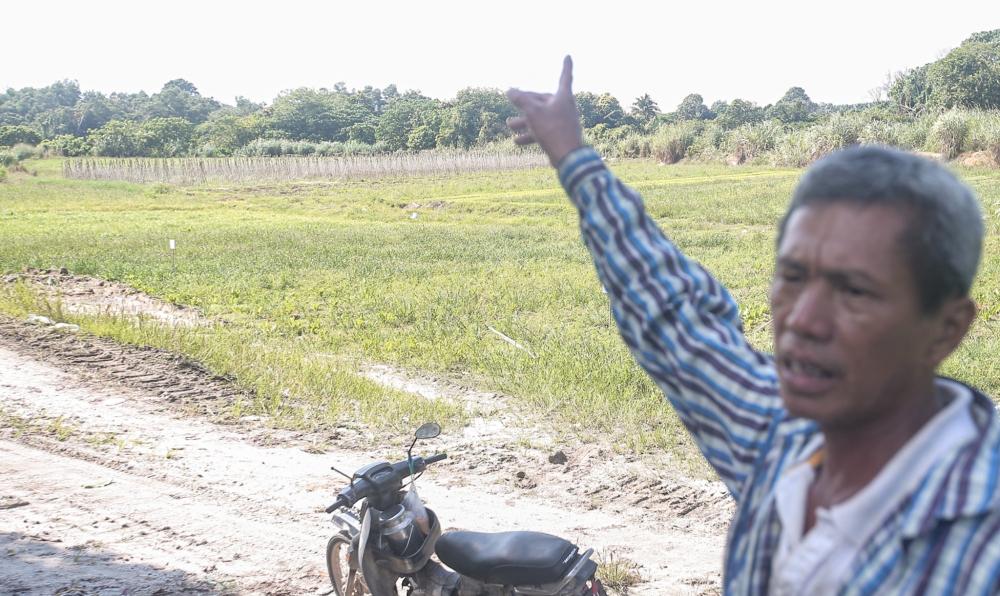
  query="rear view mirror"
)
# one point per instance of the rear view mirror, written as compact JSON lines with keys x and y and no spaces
{"x":428,"y":430}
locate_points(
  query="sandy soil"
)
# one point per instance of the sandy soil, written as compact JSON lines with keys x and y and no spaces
{"x":120,"y":475}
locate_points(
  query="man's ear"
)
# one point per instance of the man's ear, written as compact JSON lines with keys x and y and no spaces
{"x":952,"y":322}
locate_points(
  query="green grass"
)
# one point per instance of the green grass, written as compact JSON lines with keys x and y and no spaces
{"x":315,"y":278}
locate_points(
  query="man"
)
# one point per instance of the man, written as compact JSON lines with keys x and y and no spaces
{"x":856,"y":470}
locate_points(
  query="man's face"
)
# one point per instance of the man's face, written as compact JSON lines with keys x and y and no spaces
{"x":851,"y":342}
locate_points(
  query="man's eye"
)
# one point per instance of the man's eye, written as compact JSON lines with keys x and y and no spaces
{"x":855,"y":291}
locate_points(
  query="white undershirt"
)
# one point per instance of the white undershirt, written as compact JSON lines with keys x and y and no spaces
{"x":818,"y":563}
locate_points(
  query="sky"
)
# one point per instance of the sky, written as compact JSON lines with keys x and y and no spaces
{"x":722,"y":49}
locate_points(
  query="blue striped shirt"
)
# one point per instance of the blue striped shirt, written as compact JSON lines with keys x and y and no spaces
{"x":684,"y":329}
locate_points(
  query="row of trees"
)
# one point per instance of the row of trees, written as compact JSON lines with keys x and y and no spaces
{"x":179,"y":120}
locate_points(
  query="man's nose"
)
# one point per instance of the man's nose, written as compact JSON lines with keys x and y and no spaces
{"x":812,"y":313}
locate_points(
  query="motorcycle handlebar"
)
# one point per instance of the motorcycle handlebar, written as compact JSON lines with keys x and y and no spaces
{"x":360,"y":488}
{"x":340,"y":502}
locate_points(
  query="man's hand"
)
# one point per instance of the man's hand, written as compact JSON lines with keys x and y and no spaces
{"x":552,"y":121}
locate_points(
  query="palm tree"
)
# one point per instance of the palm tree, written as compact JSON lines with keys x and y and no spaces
{"x":645,"y":108}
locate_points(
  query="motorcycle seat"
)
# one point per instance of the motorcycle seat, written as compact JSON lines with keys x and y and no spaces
{"x":507,"y":558}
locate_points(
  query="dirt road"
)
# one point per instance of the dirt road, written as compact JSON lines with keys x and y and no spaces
{"x":116,"y":477}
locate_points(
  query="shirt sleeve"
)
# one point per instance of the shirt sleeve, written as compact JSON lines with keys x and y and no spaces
{"x":681,"y":325}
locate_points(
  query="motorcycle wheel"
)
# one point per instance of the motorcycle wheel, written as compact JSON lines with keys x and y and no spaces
{"x":339,"y":568}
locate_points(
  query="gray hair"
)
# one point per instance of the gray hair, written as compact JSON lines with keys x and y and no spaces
{"x":945,"y":236}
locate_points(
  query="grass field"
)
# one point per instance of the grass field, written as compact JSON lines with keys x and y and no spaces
{"x":316,"y":278}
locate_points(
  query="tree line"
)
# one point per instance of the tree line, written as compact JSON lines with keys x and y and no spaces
{"x":178,"y":120}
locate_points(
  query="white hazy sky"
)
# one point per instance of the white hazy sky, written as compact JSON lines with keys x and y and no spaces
{"x":722,"y":49}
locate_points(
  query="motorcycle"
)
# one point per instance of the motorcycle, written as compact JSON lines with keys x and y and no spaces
{"x":385,"y":549}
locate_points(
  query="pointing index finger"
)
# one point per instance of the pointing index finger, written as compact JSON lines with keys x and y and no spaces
{"x":566,"y":79}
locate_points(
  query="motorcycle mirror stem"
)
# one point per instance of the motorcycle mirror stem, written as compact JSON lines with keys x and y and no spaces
{"x":428,"y":430}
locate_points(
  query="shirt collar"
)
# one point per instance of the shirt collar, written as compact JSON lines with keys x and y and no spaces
{"x":964,"y":482}
{"x":945,"y":434}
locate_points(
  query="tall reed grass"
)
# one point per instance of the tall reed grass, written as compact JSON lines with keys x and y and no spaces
{"x":238,"y":170}
{"x":949,"y":134}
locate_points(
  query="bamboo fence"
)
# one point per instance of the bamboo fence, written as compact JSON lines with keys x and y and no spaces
{"x":237,"y":170}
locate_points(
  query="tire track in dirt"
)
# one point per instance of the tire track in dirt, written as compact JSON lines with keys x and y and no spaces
{"x":172,"y":378}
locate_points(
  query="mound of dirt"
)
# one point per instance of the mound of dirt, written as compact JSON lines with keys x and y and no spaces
{"x":978,"y":159}
{"x":82,"y":294}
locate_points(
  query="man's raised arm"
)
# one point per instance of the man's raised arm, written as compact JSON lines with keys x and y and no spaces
{"x":681,"y":325}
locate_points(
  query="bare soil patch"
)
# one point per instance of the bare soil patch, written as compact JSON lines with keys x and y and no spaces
{"x":123,"y":475}
{"x":85,"y":295}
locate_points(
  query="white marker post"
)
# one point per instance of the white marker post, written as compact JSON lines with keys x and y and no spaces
{"x":173,"y":251}
{"x":611,"y":310}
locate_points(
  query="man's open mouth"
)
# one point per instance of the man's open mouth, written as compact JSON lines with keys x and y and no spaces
{"x":800,"y":367}
{"x":806,"y":377}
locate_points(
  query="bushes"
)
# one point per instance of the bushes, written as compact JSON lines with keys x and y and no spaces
{"x":164,"y":137}
{"x":634,"y":145}
{"x":838,"y":132}
{"x":116,"y":139}
{"x":762,"y":141}
{"x":797,"y":149}
{"x":16,"y":135}
{"x":914,"y":134}
{"x":984,"y":134}
{"x":949,"y":133}
{"x":67,"y":146}
{"x":711,"y":145}
{"x":18,"y":153}
{"x":753,"y":140}
{"x":22,"y":151}
{"x":279,"y":147}
{"x":671,"y":142}
{"x":3,"y":175}
{"x":880,"y":132}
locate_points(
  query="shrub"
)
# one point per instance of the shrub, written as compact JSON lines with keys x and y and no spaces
{"x":164,"y":137}
{"x":670,"y":144}
{"x":261,"y":148}
{"x":984,"y":134}
{"x":117,"y":138}
{"x":841,"y":130}
{"x":303,"y":148}
{"x":914,"y":135}
{"x":713,"y":144}
{"x":3,"y":175}
{"x":879,"y":132}
{"x":949,"y":133}
{"x":7,"y":158}
{"x":330,"y":148}
{"x":753,"y":140}
{"x":208,"y":150}
{"x":633,"y":145}
{"x":67,"y":146}
{"x":16,"y":135}
{"x":420,"y":138}
{"x":22,"y":151}
{"x":796,"y":149}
